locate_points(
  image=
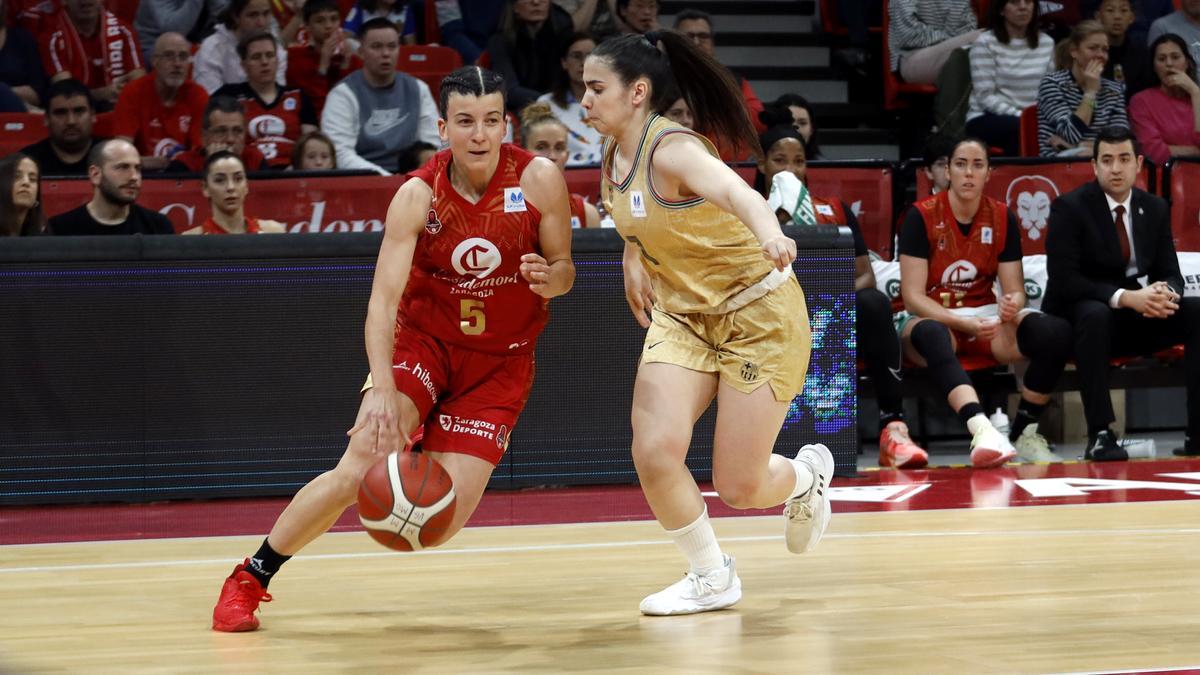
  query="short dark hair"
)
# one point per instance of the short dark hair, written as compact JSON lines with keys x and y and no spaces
{"x":216,"y":157}
{"x":69,"y":88}
{"x":1112,"y":135}
{"x":378,"y":22}
{"x":243,"y":45}
{"x":469,"y":81}
{"x":313,"y":7}
{"x":222,"y":103}
{"x":692,"y":15}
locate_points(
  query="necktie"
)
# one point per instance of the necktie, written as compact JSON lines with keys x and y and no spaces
{"x":1122,"y":235}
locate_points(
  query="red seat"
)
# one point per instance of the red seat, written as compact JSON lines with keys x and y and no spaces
{"x":433,"y":32}
{"x":18,"y":130}
{"x":105,"y":125}
{"x":830,"y":24}
{"x":1029,"y":132}
{"x":429,"y":64}
{"x":893,"y":87}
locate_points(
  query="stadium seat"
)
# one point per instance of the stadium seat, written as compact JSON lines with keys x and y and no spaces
{"x":18,"y":130}
{"x":1029,"y":132}
{"x":893,"y":87}
{"x":429,"y":64}
{"x":104,"y":126}
{"x":433,"y":32}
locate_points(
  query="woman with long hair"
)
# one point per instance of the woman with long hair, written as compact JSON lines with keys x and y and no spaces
{"x":1075,"y":102}
{"x":708,"y":272}
{"x":530,"y":31}
{"x":954,"y":248}
{"x":1166,"y":117}
{"x":1007,"y":64}
{"x":20,"y":197}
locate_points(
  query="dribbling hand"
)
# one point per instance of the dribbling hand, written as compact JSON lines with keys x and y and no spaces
{"x":379,"y":418}
{"x":780,"y":250}
{"x":536,"y":271}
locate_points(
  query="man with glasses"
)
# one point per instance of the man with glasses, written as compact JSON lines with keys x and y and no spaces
{"x":223,"y":128}
{"x":160,"y":113}
{"x":698,"y":27}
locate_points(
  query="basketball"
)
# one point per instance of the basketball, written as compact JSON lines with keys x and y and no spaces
{"x":406,"y":501}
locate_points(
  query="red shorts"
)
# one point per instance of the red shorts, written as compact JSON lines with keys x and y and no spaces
{"x":468,"y":400}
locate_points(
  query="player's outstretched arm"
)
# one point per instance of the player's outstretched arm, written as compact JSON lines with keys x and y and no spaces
{"x":551,"y":272}
{"x":682,"y":162}
{"x":379,"y":415}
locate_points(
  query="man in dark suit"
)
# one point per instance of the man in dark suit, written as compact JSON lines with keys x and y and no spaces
{"x":1102,"y":239}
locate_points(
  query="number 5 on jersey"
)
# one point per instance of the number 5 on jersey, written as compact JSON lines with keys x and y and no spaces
{"x":471,"y":319}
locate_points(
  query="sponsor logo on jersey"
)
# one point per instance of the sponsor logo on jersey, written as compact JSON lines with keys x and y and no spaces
{"x":960,"y":274}
{"x":471,"y":427}
{"x":514,"y":200}
{"x":266,"y":125}
{"x":446,"y":422}
{"x":502,"y":437}
{"x":432,"y":224}
{"x":476,"y":257}
{"x":749,"y":371}
{"x":289,"y":103}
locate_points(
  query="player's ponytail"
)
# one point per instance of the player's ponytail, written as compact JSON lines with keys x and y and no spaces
{"x":680,"y":69}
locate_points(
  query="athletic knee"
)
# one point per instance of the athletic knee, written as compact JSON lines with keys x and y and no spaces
{"x":932,"y":341}
{"x":871,"y":302}
{"x":658,"y":450}
{"x":738,"y":492}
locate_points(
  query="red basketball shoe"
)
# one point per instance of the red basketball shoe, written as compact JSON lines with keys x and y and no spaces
{"x":898,"y":450}
{"x":239,"y":600}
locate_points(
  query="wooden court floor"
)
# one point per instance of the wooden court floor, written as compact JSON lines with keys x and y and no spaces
{"x":1024,"y":590}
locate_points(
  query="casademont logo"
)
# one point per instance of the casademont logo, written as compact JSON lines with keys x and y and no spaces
{"x":476,"y":257}
{"x":959,"y":274}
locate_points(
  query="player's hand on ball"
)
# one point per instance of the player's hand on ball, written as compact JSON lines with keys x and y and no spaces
{"x":536,"y":271}
{"x":379,"y":418}
{"x":780,"y":250}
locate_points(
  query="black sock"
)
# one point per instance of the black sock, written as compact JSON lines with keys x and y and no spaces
{"x":886,"y":418}
{"x":970,"y":410}
{"x":1027,"y":413}
{"x":265,"y":563}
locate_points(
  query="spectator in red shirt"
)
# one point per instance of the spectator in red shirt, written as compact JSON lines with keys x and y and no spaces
{"x":225,"y":186}
{"x":321,"y":62}
{"x":158,"y":113}
{"x":223,"y":128}
{"x":276,"y":116}
{"x":91,"y":44}
{"x":698,"y":27}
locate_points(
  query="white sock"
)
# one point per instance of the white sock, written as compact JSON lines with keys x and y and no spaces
{"x":699,"y":543}
{"x":977,"y":423}
{"x":804,"y":476}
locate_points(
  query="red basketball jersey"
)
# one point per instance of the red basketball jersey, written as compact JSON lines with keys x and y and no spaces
{"x":962,"y":268}
{"x":465,"y":287}
{"x":274,"y":130}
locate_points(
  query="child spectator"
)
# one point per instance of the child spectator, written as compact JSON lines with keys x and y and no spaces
{"x":320,"y":62}
{"x":314,"y":152}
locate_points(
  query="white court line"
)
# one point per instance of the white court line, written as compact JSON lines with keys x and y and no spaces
{"x":1171,"y":669}
{"x":601,"y":545}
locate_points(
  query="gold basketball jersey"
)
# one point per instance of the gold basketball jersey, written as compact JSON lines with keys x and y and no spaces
{"x":698,"y":256}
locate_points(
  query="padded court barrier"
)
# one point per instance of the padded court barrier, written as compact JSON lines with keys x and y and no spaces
{"x":1182,"y":178}
{"x":150,"y":368}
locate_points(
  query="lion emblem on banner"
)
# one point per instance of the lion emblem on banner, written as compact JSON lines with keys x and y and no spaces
{"x":1029,"y":197}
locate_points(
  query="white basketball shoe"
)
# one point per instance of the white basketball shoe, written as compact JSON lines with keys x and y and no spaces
{"x":696,"y":593}
{"x":808,"y":515}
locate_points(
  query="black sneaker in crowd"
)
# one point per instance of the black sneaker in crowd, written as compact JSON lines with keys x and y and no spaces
{"x":1103,"y":447}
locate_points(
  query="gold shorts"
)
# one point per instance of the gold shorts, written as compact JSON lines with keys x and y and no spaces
{"x":768,"y":340}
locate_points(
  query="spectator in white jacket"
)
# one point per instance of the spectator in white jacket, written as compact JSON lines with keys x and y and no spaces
{"x":1007,"y":65}
{"x":217,"y":62}
{"x":376,"y":112}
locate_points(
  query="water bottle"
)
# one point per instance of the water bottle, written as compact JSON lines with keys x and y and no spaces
{"x":1000,"y":421}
